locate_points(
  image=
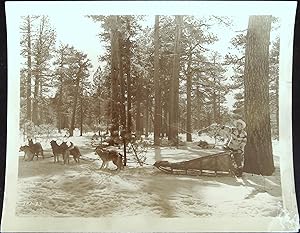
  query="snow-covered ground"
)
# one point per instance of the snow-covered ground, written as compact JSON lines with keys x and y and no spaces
{"x":48,"y":189}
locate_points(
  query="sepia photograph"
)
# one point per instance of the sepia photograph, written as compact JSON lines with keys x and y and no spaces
{"x":132,"y":115}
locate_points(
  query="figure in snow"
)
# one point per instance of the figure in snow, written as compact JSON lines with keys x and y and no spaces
{"x":236,"y":144}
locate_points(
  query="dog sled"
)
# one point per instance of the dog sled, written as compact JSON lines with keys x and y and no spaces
{"x":220,"y":163}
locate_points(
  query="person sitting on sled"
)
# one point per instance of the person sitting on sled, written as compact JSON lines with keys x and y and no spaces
{"x":236,"y":144}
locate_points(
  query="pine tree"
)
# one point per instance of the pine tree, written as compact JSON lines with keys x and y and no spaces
{"x":174,"y":84}
{"x":80,"y":65}
{"x":258,"y":151}
{"x":43,"y":47}
{"x":158,"y":109}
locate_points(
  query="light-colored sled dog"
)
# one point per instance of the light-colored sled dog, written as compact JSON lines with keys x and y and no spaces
{"x":107,"y":155}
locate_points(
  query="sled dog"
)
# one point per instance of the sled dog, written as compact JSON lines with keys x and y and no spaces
{"x":36,"y":148}
{"x":62,"y":149}
{"x":66,"y":151}
{"x":75,"y":152}
{"x":28,"y":154}
{"x":109,"y":155}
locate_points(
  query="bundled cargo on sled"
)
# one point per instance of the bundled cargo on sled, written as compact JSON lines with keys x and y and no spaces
{"x":209,"y":164}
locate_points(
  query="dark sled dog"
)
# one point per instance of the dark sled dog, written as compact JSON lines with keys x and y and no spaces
{"x":36,"y":148}
{"x":62,"y":149}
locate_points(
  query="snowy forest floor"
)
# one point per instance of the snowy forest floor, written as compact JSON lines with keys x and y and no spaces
{"x":82,"y":190}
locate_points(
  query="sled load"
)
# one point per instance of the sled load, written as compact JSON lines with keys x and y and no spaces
{"x":219,"y":163}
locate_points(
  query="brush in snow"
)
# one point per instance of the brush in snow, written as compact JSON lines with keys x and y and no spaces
{"x":205,"y":145}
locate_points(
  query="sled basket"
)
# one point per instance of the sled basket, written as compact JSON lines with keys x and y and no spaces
{"x":219,"y":163}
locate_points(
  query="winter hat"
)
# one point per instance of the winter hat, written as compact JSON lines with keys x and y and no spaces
{"x":241,"y":122}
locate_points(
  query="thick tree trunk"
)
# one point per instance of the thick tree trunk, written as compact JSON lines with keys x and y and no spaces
{"x":71,"y":131}
{"x":42,"y":109}
{"x":81,"y":116}
{"x":277,"y":101}
{"x":122,"y":85}
{"x":128,"y":79}
{"x":99,"y":115}
{"x":147,"y":114}
{"x":214,"y":100}
{"x":258,"y":151}
{"x":29,"y":74}
{"x":189,"y":100}
{"x":199,"y":104}
{"x":219,"y":120}
{"x":277,"y":107}
{"x":35,"y":110}
{"x":114,"y":130}
{"x":165,"y":128}
{"x":157,"y":90}
{"x":60,"y":105}
{"x":174,"y":85}
{"x":138,"y":118}
{"x":129,"y":100}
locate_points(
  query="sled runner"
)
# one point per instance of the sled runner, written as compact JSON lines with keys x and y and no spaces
{"x":219,"y":163}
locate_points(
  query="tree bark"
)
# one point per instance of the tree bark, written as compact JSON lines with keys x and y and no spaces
{"x":81,"y":115}
{"x":35,"y":110}
{"x":60,"y":104}
{"x":258,"y":151}
{"x":129,"y":99}
{"x":114,"y":130}
{"x":71,"y":132}
{"x":147,"y":109}
{"x":189,"y":100}
{"x":277,"y":101}
{"x":122,"y":84}
{"x":138,"y":125}
{"x":165,"y":127}
{"x":157,"y":90}
{"x":38,"y":74}
{"x":214,"y":102}
{"x":129,"y":83}
{"x":219,"y":120}
{"x":29,"y":68}
{"x":174,"y":85}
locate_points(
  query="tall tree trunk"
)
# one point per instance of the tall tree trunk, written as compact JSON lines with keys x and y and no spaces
{"x":71,"y":131}
{"x":114,"y":130}
{"x":157,"y":90}
{"x":38,"y":72}
{"x":147,"y":109}
{"x":35,"y":110}
{"x":122,"y":84}
{"x":219,"y":120}
{"x":129,"y":100}
{"x":214,"y":102}
{"x":122,"y":95}
{"x":128,"y":79}
{"x":81,"y":115}
{"x":258,"y":151}
{"x":189,"y":100}
{"x":99,"y":115}
{"x":277,"y":101}
{"x":29,"y":68}
{"x":41,"y":107}
{"x":174,"y":85}
{"x":60,"y":105}
{"x":277,"y":107}
{"x":138,"y":117}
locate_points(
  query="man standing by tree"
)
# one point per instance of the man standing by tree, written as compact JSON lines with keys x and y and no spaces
{"x":237,"y":144}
